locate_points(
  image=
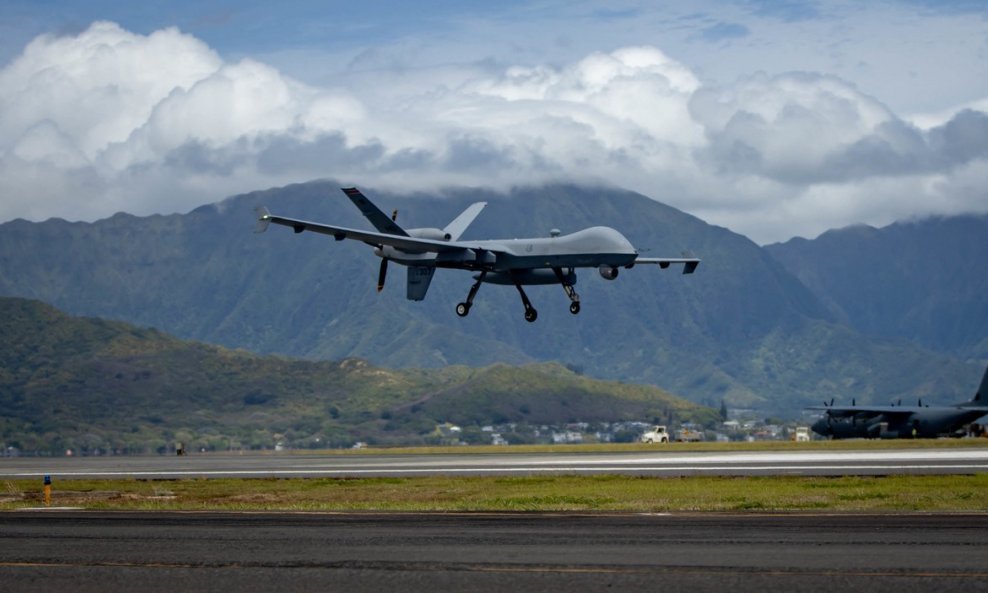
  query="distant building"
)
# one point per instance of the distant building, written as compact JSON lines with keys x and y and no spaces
{"x":447,"y":433}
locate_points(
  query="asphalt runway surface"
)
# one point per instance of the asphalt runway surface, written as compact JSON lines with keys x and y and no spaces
{"x":168,"y":552}
{"x":657,"y":462}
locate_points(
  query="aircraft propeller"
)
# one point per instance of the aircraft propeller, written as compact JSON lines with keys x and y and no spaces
{"x":382,"y":273}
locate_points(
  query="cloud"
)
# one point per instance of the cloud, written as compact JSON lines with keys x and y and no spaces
{"x":99,"y":86}
{"x":109,"y":120}
{"x":724,"y":31}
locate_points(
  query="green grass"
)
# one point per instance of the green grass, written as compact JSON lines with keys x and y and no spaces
{"x":606,"y":493}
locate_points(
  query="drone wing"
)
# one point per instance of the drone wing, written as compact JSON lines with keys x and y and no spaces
{"x":688,"y":260}
{"x":403,"y":242}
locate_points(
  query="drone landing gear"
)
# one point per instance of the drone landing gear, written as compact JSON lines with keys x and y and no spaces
{"x":530,"y":313}
{"x":574,"y":304}
{"x":463,"y":308}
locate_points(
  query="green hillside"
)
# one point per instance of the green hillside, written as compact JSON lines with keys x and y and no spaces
{"x":93,"y":385}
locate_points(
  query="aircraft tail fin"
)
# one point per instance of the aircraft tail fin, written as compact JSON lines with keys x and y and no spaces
{"x":461,"y":222}
{"x":419,"y":278}
{"x":981,"y":397}
{"x":381,"y":221}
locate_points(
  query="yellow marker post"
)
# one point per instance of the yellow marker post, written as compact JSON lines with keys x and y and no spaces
{"x":47,"y":491}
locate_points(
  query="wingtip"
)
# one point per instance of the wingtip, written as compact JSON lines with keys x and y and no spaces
{"x":263,"y":219}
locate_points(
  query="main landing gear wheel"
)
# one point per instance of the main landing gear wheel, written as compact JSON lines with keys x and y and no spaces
{"x":463,"y":308}
{"x":531,"y":315}
{"x":574,"y":299}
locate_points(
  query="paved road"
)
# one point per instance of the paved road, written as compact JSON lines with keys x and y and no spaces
{"x":657,"y":462}
{"x":168,"y":552}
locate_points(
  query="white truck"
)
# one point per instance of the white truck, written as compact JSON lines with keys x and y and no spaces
{"x":658,"y":434}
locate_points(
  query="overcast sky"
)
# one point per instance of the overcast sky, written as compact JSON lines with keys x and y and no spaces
{"x":772,"y":118}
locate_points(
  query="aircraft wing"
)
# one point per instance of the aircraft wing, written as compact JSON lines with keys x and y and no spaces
{"x":890,"y":412}
{"x":403,"y":242}
{"x":690,"y":263}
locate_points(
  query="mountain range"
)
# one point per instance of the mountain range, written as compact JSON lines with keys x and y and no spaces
{"x":924,"y":281}
{"x":767,"y":328}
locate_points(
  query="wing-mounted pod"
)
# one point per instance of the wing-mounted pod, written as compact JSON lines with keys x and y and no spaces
{"x":610,"y":272}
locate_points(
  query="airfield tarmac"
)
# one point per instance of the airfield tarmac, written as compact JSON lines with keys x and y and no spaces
{"x":44,"y":550}
{"x":150,"y":551}
{"x":647,"y":463}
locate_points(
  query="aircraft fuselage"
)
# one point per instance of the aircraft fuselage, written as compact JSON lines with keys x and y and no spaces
{"x":920,"y":422}
{"x":591,"y":247}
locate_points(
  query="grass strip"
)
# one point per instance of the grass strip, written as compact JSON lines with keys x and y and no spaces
{"x":604,"y":493}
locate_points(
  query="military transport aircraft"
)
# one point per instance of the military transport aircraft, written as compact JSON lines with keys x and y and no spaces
{"x":518,"y":262}
{"x":898,"y":421}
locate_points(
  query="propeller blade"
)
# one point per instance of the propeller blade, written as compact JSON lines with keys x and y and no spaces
{"x":382,"y":274}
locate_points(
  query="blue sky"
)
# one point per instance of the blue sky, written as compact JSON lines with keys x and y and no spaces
{"x":775,"y":119}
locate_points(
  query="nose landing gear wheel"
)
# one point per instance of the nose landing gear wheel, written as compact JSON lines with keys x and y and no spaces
{"x":531,"y":315}
{"x":462,"y":309}
{"x":574,"y":308}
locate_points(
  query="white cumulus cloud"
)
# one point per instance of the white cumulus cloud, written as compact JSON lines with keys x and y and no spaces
{"x":109,"y":120}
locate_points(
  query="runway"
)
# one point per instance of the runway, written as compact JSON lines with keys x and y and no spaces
{"x":354,"y":552}
{"x":149,"y":552}
{"x":649,"y":463}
